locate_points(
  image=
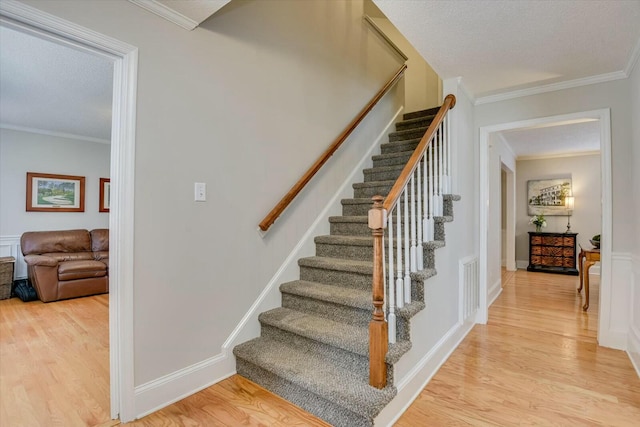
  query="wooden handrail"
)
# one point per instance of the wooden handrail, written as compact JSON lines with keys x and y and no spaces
{"x":412,"y":164}
{"x":293,"y":192}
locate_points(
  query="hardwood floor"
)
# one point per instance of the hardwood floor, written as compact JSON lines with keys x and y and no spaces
{"x":536,"y":362}
{"x":54,"y":362}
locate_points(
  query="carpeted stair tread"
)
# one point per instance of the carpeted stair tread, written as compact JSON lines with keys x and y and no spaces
{"x":384,"y":169}
{"x":337,"y":334}
{"x":413,"y":308}
{"x":313,"y":350}
{"x":402,"y":135}
{"x":338,"y":264}
{"x":415,"y":122}
{"x":399,"y":146}
{"x":420,"y":113}
{"x":390,"y":159}
{"x":356,"y":298}
{"x":344,"y":240}
{"x":314,"y":373}
{"x":373,"y":183}
{"x":351,"y":218}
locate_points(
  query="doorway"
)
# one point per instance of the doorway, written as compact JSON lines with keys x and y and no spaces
{"x":121,"y":225}
{"x":487,"y":134}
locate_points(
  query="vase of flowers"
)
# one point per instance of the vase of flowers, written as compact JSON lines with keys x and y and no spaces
{"x":539,"y":221}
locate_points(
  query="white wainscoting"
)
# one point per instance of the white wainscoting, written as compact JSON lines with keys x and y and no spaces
{"x":615,"y":311}
{"x":10,"y":246}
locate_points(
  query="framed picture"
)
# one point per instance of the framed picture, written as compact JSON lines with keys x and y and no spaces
{"x":546,"y":196}
{"x":105,"y":194}
{"x":54,"y":193}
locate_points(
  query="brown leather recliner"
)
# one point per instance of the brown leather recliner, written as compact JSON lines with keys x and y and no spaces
{"x":62,"y":264}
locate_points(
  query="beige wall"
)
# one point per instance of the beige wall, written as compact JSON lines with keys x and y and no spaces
{"x":423,"y":87}
{"x":244,"y":103}
{"x":614,"y":95}
{"x":587,"y":215}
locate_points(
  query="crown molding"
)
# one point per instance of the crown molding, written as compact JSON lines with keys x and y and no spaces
{"x":600,"y":78}
{"x":633,"y":59}
{"x":54,"y":133}
{"x":167,"y":13}
{"x":558,"y":155}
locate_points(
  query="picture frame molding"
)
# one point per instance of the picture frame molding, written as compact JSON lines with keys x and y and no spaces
{"x":557,"y":189}
{"x":105,"y":195}
{"x":32,"y":189}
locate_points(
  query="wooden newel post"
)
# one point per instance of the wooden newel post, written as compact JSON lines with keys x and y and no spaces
{"x":378,"y":332}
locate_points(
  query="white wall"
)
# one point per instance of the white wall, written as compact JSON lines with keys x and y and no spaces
{"x":634,"y":332}
{"x":586,"y":219}
{"x":499,"y":154}
{"x":245,"y":103}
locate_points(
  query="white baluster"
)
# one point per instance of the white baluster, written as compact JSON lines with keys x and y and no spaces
{"x":407,"y":256}
{"x":391,"y":318}
{"x":440,"y":170}
{"x":419,"y":252}
{"x":432,"y":187}
{"x":414,"y":261}
{"x":399,"y":280}
{"x":447,"y":152}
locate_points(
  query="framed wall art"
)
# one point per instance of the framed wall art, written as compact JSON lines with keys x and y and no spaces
{"x":105,"y":194}
{"x":546,"y":196}
{"x":54,"y":193}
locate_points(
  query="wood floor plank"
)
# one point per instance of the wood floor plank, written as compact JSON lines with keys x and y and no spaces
{"x":536,"y":362}
{"x":54,"y":362}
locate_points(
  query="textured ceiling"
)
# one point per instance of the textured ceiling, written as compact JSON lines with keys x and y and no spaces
{"x":499,"y":46}
{"x":49,"y":87}
{"x":555,"y":139}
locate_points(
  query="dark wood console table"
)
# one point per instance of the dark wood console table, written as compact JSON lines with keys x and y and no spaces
{"x":553,"y":253}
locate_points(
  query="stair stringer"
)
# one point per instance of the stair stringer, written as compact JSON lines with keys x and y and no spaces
{"x":270,"y":297}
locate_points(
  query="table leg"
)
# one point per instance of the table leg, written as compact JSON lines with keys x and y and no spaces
{"x":587,"y":266}
{"x":581,"y":268}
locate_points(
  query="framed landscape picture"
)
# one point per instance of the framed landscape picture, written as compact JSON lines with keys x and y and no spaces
{"x":54,"y":193}
{"x":546,"y":196}
{"x":105,"y":194}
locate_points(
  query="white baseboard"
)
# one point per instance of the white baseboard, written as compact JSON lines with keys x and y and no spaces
{"x":161,"y":392}
{"x":164,"y":391}
{"x":522,"y":264}
{"x":494,"y":292}
{"x":633,"y":348}
{"x":416,"y":380}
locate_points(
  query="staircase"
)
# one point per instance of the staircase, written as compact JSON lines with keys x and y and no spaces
{"x":313,"y":351}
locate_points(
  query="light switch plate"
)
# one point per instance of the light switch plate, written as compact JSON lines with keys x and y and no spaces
{"x":200,"y":191}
